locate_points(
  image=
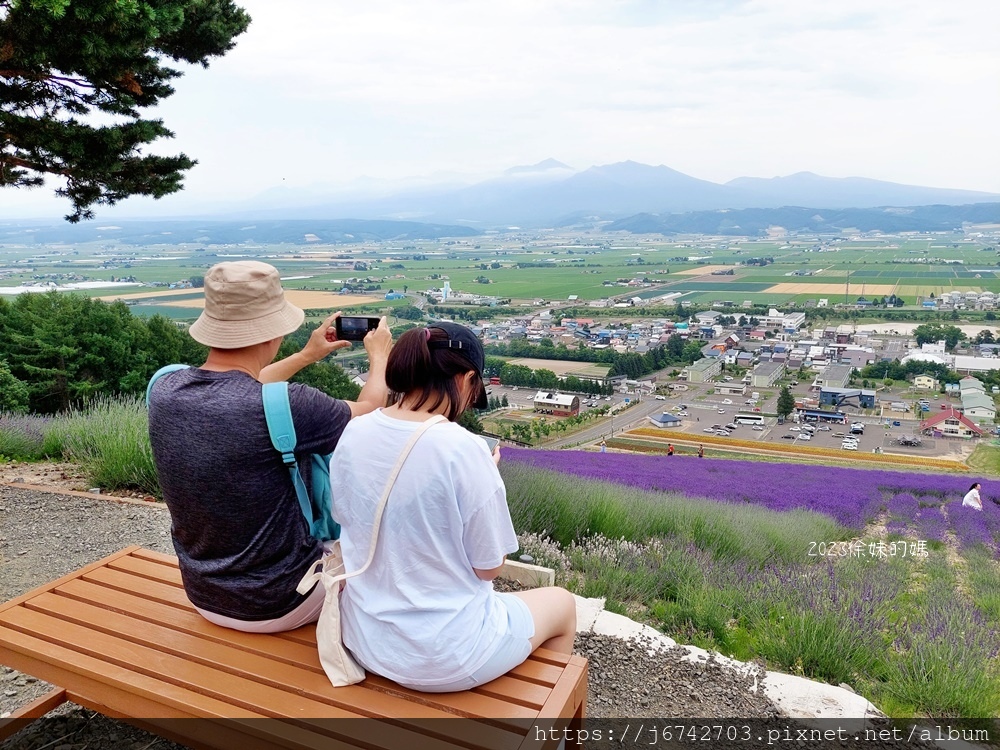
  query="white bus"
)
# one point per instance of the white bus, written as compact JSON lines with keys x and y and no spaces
{"x":748,"y":419}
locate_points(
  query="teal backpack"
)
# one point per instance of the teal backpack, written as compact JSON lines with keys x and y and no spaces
{"x":317,"y":505}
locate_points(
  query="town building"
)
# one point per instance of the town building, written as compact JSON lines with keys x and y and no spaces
{"x":863,"y":398}
{"x":978,"y":405}
{"x":766,"y":374}
{"x":833,"y":376}
{"x":557,"y":404}
{"x":950,"y":423}
{"x":703,"y":370}
{"x":664,"y":420}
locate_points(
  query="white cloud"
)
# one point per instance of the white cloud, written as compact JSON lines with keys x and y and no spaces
{"x":319,"y":91}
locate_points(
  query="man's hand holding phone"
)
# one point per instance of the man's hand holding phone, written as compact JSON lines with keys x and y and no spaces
{"x":322,"y":340}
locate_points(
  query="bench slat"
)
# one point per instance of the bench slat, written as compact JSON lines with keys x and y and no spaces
{"x":76,"y":573}
{"x":537,"y":671}
{"x":159,"y":592}
{"x":190,"y":622}
{"x":310,"y":684}
{"x":251,"y":696}
{"x":508,"y":690}
{"x":147,"y":569}
{"x":57,"y":617}
{"x":141,"y":553}
{"x":70,"y":669}
{"x":512,"y":690}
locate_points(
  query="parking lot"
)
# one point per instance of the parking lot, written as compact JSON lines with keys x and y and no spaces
{"x":705,"y":412}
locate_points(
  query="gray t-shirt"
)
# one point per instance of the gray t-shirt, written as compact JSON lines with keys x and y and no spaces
{"x":242,"y":542}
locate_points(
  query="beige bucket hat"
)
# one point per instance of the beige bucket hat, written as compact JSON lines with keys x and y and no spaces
{"x":244,"y":305}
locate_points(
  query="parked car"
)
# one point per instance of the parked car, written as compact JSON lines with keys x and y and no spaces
{"x":722,"y":433}
{"x":794,"y":429}
{"x":849,"y":446}
{"x":722,"y":411}
{"x":709,"y":430}
{"x":759,"y":427}
{"x":805,"y":436}
{"x":728,"y":379}
{"x":660,"y":398}
{"x":788,"y":437}
{"x":732,"y":426}
{"x":823,"y":427}
{"x":727,"y":401}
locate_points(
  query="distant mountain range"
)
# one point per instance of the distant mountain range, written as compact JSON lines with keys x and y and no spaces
{"x":756,"y":221}
{"x":626,"y":196}
{"x":551,"y":193}
{"x":746,"y":222}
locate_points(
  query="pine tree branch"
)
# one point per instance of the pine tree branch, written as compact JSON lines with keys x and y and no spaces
{"x":34,"y":166}
{"x":63,"y":80}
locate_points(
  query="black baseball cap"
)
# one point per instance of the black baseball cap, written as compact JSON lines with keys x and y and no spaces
{"x":469,"y":346}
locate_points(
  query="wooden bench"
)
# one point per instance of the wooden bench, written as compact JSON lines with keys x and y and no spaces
{"x":120,"y":637}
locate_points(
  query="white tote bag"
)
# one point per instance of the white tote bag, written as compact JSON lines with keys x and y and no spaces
{"x":337,"y":661}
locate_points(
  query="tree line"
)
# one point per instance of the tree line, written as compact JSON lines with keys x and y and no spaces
{"x":676,"y":351}
{"x":59,"y":350}
{"x":542,"y":379}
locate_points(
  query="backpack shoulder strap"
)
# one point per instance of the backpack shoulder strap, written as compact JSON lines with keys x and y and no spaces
{"x":281,"y":428}
{"x":278,"y":413}
{"x":159,"y":374}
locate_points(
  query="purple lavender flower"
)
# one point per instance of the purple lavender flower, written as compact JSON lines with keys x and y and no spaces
{"x":969,"y":526}
{"x":852,"y":497}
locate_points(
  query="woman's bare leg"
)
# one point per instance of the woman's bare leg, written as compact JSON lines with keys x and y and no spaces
{"x":553,"y":610}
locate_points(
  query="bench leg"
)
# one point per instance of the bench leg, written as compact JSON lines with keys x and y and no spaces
{"x":21,"y":718}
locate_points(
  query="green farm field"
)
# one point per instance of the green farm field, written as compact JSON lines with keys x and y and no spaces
{"x":559,"y":265}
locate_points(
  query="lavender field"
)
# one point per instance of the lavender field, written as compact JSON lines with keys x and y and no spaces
{"x":929,"y":505}
{"x":723,"y":554}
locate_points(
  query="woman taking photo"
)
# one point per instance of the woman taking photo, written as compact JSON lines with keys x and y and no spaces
{"x":425,"y":614}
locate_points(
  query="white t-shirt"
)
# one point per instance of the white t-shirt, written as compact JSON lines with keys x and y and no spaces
{"x":420,"y":615}
{"x":972,"y":499}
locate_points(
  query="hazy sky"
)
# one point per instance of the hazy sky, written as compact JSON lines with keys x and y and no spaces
{"x":327,"y":91}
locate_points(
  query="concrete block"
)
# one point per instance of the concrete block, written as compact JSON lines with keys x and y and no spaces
{"x":531,"y":576}
{"x":587,"y":611}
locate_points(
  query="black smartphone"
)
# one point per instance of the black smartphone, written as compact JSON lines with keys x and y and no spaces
{"x":355,"y":328}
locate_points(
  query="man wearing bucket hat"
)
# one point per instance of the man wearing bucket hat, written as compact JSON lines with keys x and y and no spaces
{"x":241,"y":540}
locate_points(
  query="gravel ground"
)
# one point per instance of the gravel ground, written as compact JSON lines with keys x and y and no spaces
{"x":44,"y":535}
